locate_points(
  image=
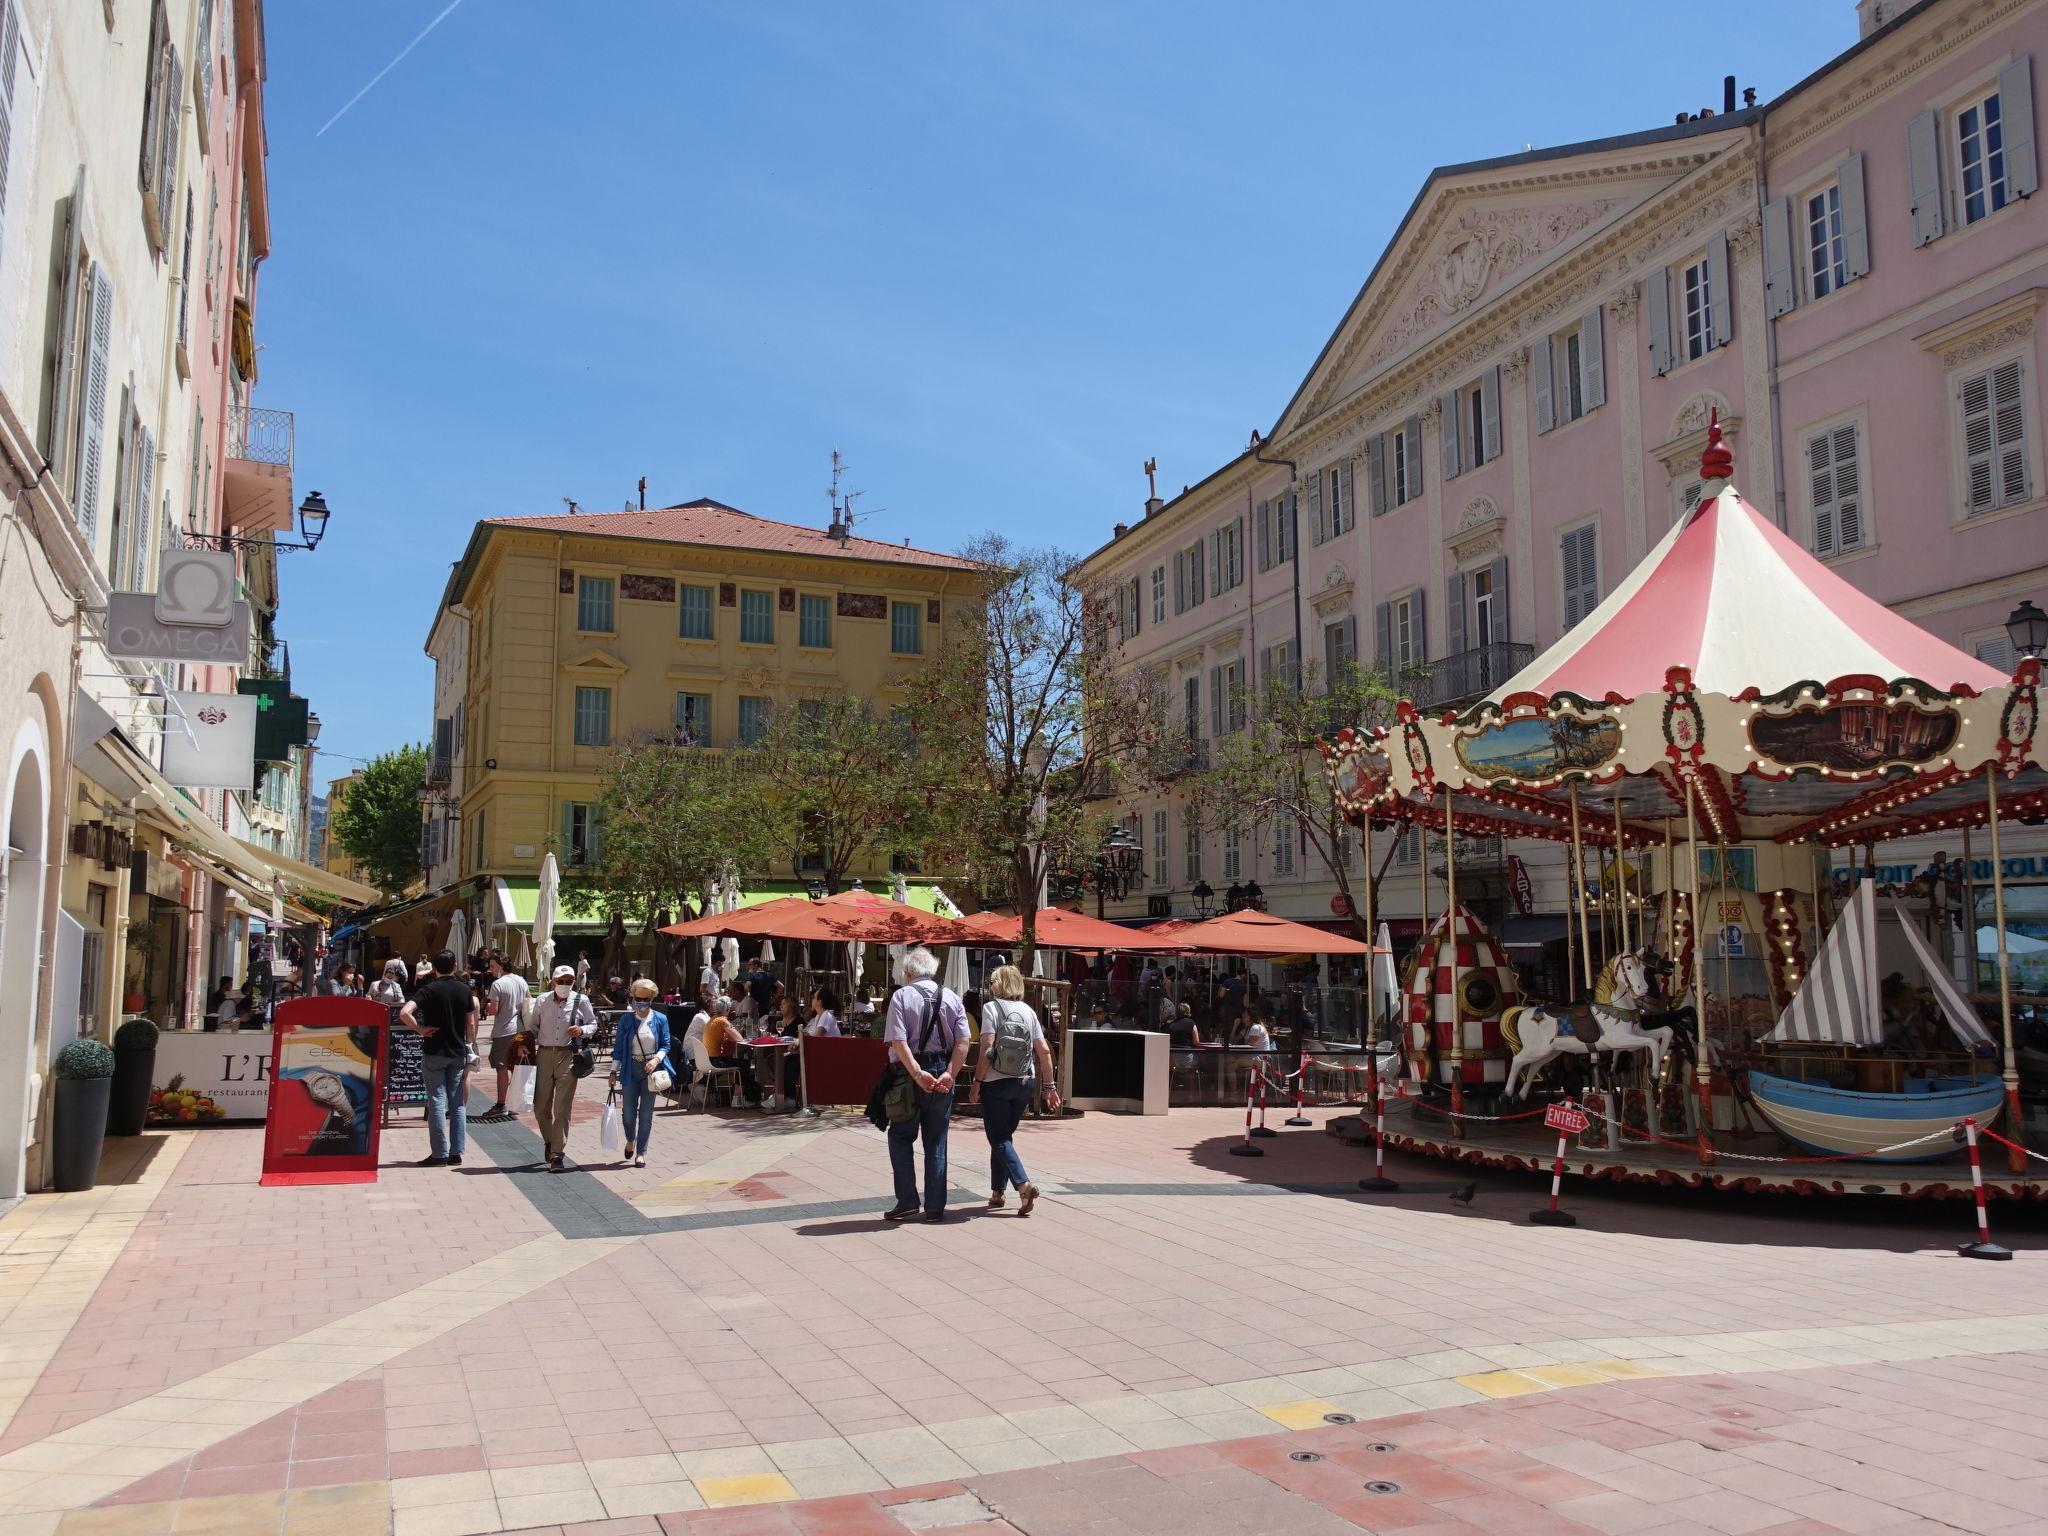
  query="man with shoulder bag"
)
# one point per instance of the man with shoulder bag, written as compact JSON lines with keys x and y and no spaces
{"x":563,"y":1019}
{"x":926,"y":1034}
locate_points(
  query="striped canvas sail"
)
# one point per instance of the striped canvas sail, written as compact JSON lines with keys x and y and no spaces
{"x":1962,"y":1018}
{"x":1837,"y":1003}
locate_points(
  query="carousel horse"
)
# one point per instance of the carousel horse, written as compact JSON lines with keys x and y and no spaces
{"x":1536,"y":1035}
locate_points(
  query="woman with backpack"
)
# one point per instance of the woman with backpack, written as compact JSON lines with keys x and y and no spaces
{"x":1012,"y":1041}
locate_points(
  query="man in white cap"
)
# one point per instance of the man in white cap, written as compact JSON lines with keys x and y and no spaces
{"x":562,"y":1017}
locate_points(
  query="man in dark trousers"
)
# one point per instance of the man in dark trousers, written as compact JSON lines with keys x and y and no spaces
{"x":443,"y":1013}
{"x":926,"y":1033}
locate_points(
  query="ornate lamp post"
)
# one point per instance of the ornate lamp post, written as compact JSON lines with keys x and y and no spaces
{"x":2027,"y":628}
{"x":1205,"y":899}
{"x":1117,"y":863}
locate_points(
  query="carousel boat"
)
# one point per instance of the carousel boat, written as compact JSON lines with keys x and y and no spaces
{"x":1838,"y":1006}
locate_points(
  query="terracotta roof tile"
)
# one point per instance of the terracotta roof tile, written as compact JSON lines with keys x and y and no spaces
{"x":716,"y":525}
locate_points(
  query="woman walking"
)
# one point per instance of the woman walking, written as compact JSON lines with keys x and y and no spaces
{"x":640,"y":1054}
{"x":1012,"y":1041}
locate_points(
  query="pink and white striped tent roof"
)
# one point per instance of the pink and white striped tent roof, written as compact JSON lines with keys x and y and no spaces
{"x":1729,"y":595}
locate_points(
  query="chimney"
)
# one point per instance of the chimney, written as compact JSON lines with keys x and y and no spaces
{"x":1153,"y":505}
{"x":1119,"y":530}
{"x":1872,"y":14}
{"x":1727,"y":93}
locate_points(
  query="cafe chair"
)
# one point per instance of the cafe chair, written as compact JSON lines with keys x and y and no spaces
{"x":710,"y":1078}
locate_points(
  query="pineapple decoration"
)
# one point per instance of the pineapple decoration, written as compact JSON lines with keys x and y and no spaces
{"x":175,"y":1104}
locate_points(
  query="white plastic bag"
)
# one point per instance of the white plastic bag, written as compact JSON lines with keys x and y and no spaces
{"x":522,"y":1088}
{"x":610,"y":1137}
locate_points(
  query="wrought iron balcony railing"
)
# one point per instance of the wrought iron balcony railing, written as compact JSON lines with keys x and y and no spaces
{"x":260,"y":436}
{"x":1466,"y":675}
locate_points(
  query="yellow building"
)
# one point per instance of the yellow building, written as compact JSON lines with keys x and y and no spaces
{"x":698,"y":620}
{"x":333,"y":857}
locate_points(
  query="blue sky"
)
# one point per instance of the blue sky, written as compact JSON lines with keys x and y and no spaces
{"x":997,"y":254}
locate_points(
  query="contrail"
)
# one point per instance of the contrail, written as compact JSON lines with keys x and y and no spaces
{"x":408,"y":48}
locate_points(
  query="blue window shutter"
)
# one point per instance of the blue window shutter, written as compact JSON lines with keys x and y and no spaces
{"x":1316,"y":533}
{"x":1544,"y":380}
{"x":1447,"y":407}
{"x":1489,"y":413}
{"x":1377,"y":451}
{"x":1721,"y":291}
{"x":1592,"y":359}
{"x":1781,"y":286}
{"x":93,"y":423}
{"x":1411,"y":430}
{"x":1454,"y":613}
{"x":1500,"y":600}
{"x":1264,"y":522}
{"x":2016,"y":114}
{"x":568,"y":831}
{"x":1855,"y":222}
{"x":1657,"y":296}
{"x":1383,"y":635}
{"x":1923,"y":171}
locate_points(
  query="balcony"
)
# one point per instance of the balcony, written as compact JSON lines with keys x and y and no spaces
{"x":1466,"y":676}
{"x":257,"y":477}
{"x":1180,"y":757}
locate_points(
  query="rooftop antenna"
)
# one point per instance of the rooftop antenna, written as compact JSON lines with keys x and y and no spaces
{"x":570,"y":503}
{"x":840,"y":526}
{"x":643,"y":493}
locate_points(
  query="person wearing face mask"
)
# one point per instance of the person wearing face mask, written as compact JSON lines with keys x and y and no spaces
{"x":561,"y":1019}
{"x":638,"y":1054}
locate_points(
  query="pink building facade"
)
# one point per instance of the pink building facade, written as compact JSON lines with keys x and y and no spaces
{"x":1511,"y":412}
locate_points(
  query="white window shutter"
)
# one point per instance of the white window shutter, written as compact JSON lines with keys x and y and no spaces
{"x":1448,"y":413}
{"x":2009,"y":432}
{"x":168,"y":144}
{"x":1544,"y":380}
{"x":10,"y":73}
{"x":145,"y":498}
{"x":1489,"y":413}
{"x":1923,"y":171}
{"x":2016,"y":114}
{"x":1316,"y":531}
{"x":1593,"y":358}
{"x":1820,"y":466}
{"x":92,"y":425}
{"x":1855,"y":221}
{"x":1721,"y":293}
{"x":1657,"y":297}
{"x":1781,"y":285}
{"x":1848,"y":487}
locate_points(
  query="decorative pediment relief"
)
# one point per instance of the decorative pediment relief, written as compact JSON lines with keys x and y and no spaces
{"x":596,"y":659}
{"x":1334,"y":595}
{"x":1188,"y":660}
{"x":1480,"y":532}
{"x":1225,"y":643}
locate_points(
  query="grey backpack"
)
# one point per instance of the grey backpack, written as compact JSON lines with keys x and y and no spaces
{"x":1009,"y":1043}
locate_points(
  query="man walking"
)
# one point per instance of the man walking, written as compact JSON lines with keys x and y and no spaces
{"x":443,"y":1014}
{"x":561,"y":1019}
{"x":926,"y":1033}
{"x":508,"y":1009}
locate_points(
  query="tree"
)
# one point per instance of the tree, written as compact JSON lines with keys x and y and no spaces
{"x":378,"y":823}
{"x":1026,"y":727}
{"x":830,"y":781}
{"x":668,"y":820}
{"x":1268,"y":774}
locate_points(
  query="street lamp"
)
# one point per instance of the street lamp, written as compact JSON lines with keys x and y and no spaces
{"x":815,"y":889}
{"x":313,"y":515}
{"x":1205,"y":898}
{"x":1233,"y":899}
{"x":1254,"y":897}
{"x":1117,"y":864}
{"x":2027,"y":628}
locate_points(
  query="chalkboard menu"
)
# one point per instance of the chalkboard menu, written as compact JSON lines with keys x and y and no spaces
{"x":404,"y":1080}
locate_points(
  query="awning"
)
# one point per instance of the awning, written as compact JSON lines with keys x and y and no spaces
{"x":307,"y":877}
{"x":1520,"y":932}
{"x":516,"y":901}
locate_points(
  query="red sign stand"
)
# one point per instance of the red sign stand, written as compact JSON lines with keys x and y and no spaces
{"x":1567,"y":1120}
{"x":327,"y":1060}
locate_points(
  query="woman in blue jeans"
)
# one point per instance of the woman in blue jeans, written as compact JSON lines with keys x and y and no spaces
{"x":639,"y":1050}
{"x":1012,"y":1042}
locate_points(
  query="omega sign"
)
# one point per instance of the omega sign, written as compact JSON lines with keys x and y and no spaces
{"x":192,"y":616}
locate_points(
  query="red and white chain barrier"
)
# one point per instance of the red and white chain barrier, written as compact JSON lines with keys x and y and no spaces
{"x":1983,"y":1248}
{"x":1245,"y":1147}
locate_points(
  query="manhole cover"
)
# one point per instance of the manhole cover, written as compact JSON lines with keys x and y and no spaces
{"x":1338,"y":1418}
{"x":1383,"y":1445}
{"x":1304,"y":1455}
{"x":1381,"y":1485}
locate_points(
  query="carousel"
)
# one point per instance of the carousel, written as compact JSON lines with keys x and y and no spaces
{"x":1699,"y":745}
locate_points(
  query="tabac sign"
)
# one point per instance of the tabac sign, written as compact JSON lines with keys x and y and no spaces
{"x":192,"y":616}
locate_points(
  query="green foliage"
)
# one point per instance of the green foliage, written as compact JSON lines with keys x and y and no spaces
{"x":838,"y":785}
{"x":136,"y":1035}
{"x":82,"y":1060}
{"x":378,"y":823}
{"x":1026,"y":727}
{"x":669,"y":818}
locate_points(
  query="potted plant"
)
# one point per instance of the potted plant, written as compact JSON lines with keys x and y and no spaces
{"x":84,"y":1070}
{"x":134,"y":1070}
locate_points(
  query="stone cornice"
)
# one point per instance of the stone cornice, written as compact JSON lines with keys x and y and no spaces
{"x":1987,"y":331}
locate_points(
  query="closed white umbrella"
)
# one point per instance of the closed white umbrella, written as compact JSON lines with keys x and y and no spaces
{"x":856,"y":955}
{"x":954,"y":973}
{"x":1386,"y":990}
{"x":458,"y":936}
{"x":767,"y":951}
{"x":728,"y":959}
{"x":523,"y":957}
{"x":544,"y":914}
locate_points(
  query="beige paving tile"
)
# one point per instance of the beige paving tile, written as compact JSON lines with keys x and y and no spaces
{"x":441,"y":1488}
{"x":549,"y":1477}
{"x":467,"y":1517}
{"x":806,"y":1455}
{"x":837,"y":1482}
{"x":650,"y":1498}
{"x":562,"y":1508}
{"x":738,"y":1461}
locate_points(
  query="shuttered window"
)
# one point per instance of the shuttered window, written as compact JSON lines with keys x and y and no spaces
{"x":1339,"y":512}
{"x":1283,"y":847}
{"x":1192,"y":860}
{"x":99,"y":340}
{"x":814,"y":621}
{"x":1158,"y":594}
{"x":1980,"y":153}
{"x":593,"y":717}
{"x":753,"y":719}
{"x":693,"y":719}
{"x":1579,"y":552}
{"x":1160,"y":876}
{"x":594,"y":601}
{"x":906,"y":629}
{"x":757,"y":618}
{"x":1696,"y":286}
{"x":1995,"y":471}
{"x":1996,"y":651}
{"x":1835,"y":475}
{"x":695,"y":620}
{"x":1233,"y":859}
{"x":1824,"y":249}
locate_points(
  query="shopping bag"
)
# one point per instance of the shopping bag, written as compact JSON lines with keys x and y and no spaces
{"x":522,"y":1088}
{"x":609,"y":1135}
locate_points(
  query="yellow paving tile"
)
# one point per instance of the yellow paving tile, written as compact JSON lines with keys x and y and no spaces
{"x":1567,"y":1375}
{"x":1626,"y":1370}
{"x":119,"y":1520}
{"x":1502,"y":1384}
{"x":347,"y":1510}
{"x":236,"y":1514}
{"x":1306,"y":1414}
{"x":755,"y":1488}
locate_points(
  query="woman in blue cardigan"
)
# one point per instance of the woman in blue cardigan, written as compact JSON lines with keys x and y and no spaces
{"x":639,"y":1050}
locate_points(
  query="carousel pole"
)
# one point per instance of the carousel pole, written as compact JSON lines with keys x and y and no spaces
{"x":1579,"y":896}
{"x":2016,"y":1159}
{"x":1702,"y":1073}
{"x":1670,"y":890}
{"x":1620,"y":876}
{"x":1571,"y":962}
{"x":1378,"y":1182}
{"x":1451,"y":934}
{"x":1969,"y":915}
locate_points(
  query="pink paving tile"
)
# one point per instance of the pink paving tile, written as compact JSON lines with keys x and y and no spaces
{"x":154,"y":1488}
{"x":206,"y":1482}
{"x":453,"y":1458}
{"x":338,"y":1470}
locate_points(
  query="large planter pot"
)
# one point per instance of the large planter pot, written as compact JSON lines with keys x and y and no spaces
{"x":80,"y":1130}
{"x":129,"y":1106}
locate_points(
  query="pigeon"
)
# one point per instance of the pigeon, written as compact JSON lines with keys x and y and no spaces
{"x":1464,"y":1196}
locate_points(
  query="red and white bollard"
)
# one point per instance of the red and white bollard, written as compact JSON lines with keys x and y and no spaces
{"x":1983,"y":1248}
{"x":1262,"y":1130}
{"x":1376,"y":1090}
{"x":1567,"y":1119}
{"x":1245,"y":1148}
{"x":1300,"y":1079}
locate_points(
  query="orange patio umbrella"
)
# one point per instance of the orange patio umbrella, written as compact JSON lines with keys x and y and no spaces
{"x":1057,"y":928}
{"x":1261,"y":933}
{"x":850,"y":916}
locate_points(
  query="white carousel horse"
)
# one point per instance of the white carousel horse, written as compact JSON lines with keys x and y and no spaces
{"x":1536,"y":1035}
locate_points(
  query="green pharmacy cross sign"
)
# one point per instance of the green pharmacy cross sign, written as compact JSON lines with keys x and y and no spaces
{"x":281,"y":718}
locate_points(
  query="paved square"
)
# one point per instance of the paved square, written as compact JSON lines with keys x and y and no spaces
{"x":731,"y":1340}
